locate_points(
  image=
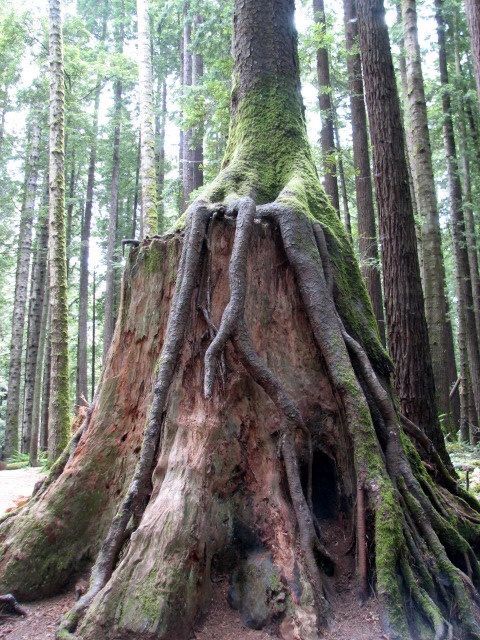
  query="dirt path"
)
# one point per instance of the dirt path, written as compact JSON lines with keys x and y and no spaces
{"x":40,"y":622}
{"x":15,"y":484}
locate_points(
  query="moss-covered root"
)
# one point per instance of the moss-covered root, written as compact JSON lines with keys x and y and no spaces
{"x":426,"y":517}
{"x":233,"y":312}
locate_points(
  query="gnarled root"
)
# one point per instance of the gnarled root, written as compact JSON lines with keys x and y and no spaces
{"x":10,"y":607}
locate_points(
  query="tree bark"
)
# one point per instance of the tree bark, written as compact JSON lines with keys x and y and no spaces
{"x":82,"y":359}
{"x":59,"y":397}
{"x":44,"y":407}
{"x":70,"y":204}
{"x":20,"y":296}
{"x":42,"y":370}
{"x":228,"y":469}
{"x":198,"y":133}
{"x":109,"y":312}
{"x":436,"y":303}
{"x":94,"y":335}
{"x":148,"y":180}
{"x":160,"y":124}
{"x":37,"y":294}
{"x":471,"y":236}
{"x":366,"y":225}
{"x":405,"y":310}
{"x":192,"y":139}
{"x":341,"y":177}
{"x":327,"y":139}
{"x":472,"y":9}
{"x":466,"y":305}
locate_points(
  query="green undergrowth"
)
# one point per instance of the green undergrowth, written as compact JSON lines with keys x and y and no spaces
{"x":20,"y":460}
{"x":466,"y":457}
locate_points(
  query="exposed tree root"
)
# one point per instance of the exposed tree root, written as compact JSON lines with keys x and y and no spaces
{"x":10,"y":607}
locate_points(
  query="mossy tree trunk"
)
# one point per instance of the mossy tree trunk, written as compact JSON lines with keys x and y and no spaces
{"x":148,"y":180}
{"x":269,"y":422}
{"x":59,"y":400}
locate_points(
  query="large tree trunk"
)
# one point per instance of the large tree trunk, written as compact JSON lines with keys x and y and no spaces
{"x":59,"y":397}
{"x":462,"y":264}
{"x":405,"y":310}
{"x":327,"y":139}
{"x":472,"y":8}
{"x":436,"y":304}
{"x":250,"y":466}
{"x":470,"y":232}
{"x":148,"y":180}
{"x":366,"y":225}
{"x":20,"y":295}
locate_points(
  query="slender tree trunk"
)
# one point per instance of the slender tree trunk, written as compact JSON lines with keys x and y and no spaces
{"x":41,"y":369}
{"x":47,"y":368}
{"x":197,"y":151}
{"x":37,"y":294}
{"x":109,"y":312}
{"x":3,"y":113}
{"x":466,"y":305}
{"x":341,"y":176}
{"x":70,"y":204}
{"x":94,"y":335}
{"x":160,"y":124}
{"x":327,"y":139}
{"x":407,"y":326}
{"x":82,"y":365}
{"x":148,"y":179}
{"x":187,"y":79}
{"x":59,"y":401}
{"x":366,"y":225}
{"x":464,"y":375}
{"x":136,"y":193}
{"x":436,"y":303}
{"x":472,"y":9}
{"x":20,"y":296}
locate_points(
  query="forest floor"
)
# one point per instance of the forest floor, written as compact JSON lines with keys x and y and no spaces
{"x":16,"y":485}
{"x":351,"y":620}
